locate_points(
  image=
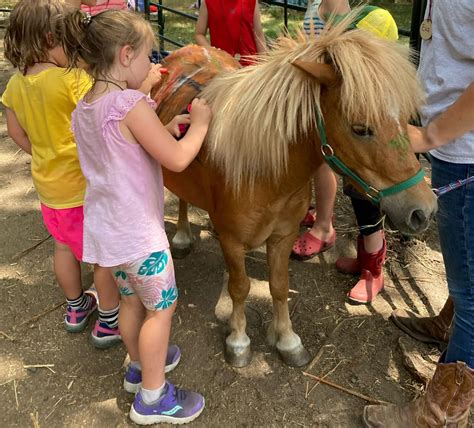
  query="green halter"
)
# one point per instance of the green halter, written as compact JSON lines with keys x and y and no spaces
{"x":340,"y":167}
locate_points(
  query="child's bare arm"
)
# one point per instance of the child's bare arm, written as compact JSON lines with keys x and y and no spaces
{"x":453,"y":123}
{"x":333,"y":7}
{"x":174,"y":128}
{"x":201,"y":27}
{"x":258,"y":31}
{"x":154,"y":76}
{"x":153,"y":136}
{"x":77,"y":3}
{"x":16,"y":132}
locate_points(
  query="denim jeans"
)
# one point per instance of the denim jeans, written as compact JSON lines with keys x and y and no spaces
{"x":455,"y":220}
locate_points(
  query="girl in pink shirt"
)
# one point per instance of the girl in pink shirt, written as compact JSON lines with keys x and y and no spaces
{"x":122,"y":145}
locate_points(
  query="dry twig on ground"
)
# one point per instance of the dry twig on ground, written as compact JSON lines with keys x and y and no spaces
{"x":30,"y":249}
{"x":342,"y":388}
{"x":41,"y":314}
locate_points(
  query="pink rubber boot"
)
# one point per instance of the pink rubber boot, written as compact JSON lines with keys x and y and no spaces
{"x":371,"y":280}
{"x":351,"y":265}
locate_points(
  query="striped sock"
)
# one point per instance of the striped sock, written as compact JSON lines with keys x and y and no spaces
{"x":109,"y":317}
{"x":82,"y":302}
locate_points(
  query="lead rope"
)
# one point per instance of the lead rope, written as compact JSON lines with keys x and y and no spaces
{"x":440,"y":191}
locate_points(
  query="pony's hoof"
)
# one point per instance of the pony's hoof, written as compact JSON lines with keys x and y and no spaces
{"x":238,"y":357}
{"x":180,"y":253}
{"x":296,"y":357}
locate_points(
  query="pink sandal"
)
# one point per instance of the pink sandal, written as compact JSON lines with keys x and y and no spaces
{"x":308,"y":246}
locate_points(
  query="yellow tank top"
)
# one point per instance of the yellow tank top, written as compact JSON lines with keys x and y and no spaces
{"x":43,"y":104}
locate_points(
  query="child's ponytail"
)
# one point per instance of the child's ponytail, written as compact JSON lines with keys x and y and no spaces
{"x":95,"y":40}
{"x":71,"y":30}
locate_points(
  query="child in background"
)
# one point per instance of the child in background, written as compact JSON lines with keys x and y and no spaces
{"x":322,"y":235}
{"x":100,"y":5}
{"x":371,"y":244}
{"x":121,"y":144}
{"x":235,"y":28}
{"x":39,"y":100}
{"x":77,"y":3}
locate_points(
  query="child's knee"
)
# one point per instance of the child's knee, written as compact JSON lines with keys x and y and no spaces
{"x":164,"y":312}
{"x":103,"y":277}
{"x":170,"y":309}
{"x":131,"y":301}
{"x":60,"y":246}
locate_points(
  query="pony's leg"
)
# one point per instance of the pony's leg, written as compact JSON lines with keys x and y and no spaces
{"x":237,"y":344}
{"x":280,"y":332}
{"x":183,"y":239}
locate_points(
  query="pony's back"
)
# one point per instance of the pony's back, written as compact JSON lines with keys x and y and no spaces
{"x":190,"y":69}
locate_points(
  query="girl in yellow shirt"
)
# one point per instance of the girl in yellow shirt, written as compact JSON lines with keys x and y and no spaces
{"x":39,"y":100}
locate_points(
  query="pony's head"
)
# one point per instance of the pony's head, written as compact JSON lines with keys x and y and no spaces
{"x":369,"y":92}
{"x":359,"y":89}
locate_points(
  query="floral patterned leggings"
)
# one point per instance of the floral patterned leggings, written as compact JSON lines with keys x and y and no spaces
{"x":151,"y":278}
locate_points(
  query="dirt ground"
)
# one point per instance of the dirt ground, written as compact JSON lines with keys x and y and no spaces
{"x":355,"y":346}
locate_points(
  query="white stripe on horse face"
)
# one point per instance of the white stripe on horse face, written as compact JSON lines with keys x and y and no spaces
{"x":394,"y":113}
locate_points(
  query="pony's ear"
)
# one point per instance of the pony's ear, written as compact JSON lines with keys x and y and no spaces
{"x":325,"y":74}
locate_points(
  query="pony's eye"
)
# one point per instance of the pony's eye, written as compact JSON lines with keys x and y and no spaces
{"x":362,"y":131}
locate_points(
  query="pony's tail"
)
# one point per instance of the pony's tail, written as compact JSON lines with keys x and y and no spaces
{"x":71,"y":32}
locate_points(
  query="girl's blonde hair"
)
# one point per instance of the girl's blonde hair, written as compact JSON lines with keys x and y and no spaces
{"x":32,"y":31}
{"x":95,"y":40}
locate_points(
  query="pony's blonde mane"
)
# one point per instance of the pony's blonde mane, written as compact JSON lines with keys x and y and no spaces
{"x":261,"y":109}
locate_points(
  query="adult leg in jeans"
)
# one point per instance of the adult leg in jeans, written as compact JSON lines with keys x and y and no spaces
{"x":449,"y":395}
{"x":456,"y":234}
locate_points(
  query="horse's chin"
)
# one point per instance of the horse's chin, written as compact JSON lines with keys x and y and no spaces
{"x":410,"y":215}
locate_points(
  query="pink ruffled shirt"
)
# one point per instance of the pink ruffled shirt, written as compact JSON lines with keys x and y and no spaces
{"x":124,"y":201}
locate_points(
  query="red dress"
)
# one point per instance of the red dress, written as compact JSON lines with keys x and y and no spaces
{"x":231,"y":27}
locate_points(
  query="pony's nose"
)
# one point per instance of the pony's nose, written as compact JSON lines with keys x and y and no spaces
{"x":418,"y":220}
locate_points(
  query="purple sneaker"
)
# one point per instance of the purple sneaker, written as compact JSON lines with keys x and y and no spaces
{"x":103,"y":337}
{"x":133,"y":376}
{"x":175,"y":406}
{"x":75,"y":320}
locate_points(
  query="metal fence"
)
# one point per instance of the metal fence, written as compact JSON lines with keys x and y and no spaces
{"x":298,"y":5}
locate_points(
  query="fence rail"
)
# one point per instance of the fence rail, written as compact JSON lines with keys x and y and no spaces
{"x":413,"y":33}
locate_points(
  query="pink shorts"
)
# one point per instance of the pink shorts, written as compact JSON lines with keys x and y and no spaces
{"x":66,"y":226}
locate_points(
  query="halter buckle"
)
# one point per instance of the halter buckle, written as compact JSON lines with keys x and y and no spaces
{"x":329,"y":148}
{"x":373,"y":193}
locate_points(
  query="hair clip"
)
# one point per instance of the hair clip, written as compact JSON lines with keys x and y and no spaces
{"x":86,"y":20}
